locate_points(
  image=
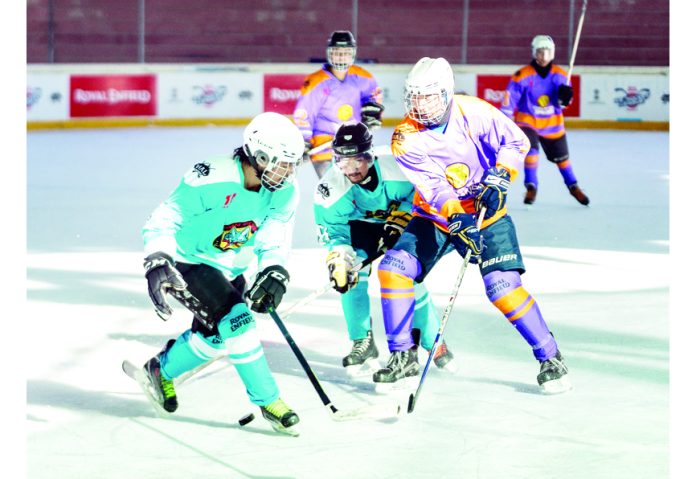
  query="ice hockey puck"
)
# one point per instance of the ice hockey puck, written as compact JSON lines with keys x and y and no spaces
{"x":246,"y":419}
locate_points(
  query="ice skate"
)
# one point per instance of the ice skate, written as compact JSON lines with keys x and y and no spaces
{"x":553,"y":377}
{"x":362,"y":359}
{"x":578,"y":194}
{"x":281,"y":417}
{"x":444,"y":359}
{"x":530,"y":195}
{"x":401,"y":372}
{"x":162,"y":389}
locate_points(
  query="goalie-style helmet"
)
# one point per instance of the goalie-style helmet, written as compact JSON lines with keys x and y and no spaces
{"x":275,"y":147}
{"x":429,"y":91}
{"x":341,"y":49}
{"x":547,"y":47}
{"x":352,"y":151}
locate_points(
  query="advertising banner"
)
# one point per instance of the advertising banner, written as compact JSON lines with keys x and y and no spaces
{"x":281,"y":91}
{"x":625,"y":97}
{"x":492,"y":89}
{"x":48,"y":97}
{"x":113,"y":95}
{"x":209,"y":94}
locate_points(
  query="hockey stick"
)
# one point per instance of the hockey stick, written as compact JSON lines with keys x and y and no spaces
{"x":297,"y":305}
{"x":373,"y":411}
{"x":577,"y":40}
{"x":445,"y":317}
{"x":319,"y":148}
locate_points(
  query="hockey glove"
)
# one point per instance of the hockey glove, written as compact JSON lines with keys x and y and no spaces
{"x":162,"y":277}
{"x":371,"y":114}
{"x":493,"y":191}
{"x":395,"y":225}
{"x":565,"y":95}
{"x":307,"y":148}
{"x":341,"y":274}
{"x":465,"y":235}
{"x":268,"y":289}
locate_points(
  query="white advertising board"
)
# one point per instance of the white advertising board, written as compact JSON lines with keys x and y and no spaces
{"x":210,"y":95}
{"x":625,"y":97}
{"x":48,"y":96}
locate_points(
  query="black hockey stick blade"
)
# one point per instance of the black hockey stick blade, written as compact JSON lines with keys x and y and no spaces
{"x":411,"y":403}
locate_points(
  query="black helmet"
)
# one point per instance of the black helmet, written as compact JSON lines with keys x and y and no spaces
{"x":341,"y":38}
{"x":352,"y":140}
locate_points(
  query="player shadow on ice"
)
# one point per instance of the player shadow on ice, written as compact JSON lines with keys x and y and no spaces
{"x":110,"y":403}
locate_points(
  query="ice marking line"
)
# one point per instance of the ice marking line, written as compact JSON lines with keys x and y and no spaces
{"x":194,"y":449}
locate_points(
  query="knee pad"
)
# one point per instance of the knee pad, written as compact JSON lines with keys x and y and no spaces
{"x":500,"y":283}
{"x":399,"y":262}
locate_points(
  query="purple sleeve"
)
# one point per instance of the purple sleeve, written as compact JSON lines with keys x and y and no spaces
{"x":512,"y":98}
{"x":306,"y":110}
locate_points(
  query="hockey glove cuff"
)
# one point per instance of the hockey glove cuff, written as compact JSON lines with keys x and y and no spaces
{"x":268,"y":288}
{"x":371,"y":115}
{"x":162,"y":277}
{"x":393,"y":228}
{"x":565,"y":95}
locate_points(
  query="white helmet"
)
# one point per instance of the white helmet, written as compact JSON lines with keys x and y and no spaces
{"x":429,"y":90}
{"x":275,"y":147}
{"x":544,"y":42}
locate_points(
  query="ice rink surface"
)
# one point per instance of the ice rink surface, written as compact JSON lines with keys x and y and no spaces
{"x":600,"y":275}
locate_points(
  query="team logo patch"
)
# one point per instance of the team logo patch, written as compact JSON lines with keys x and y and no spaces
{"x":345,"y":112}
{"x":543,"y":100}
{"x":202,"y":169}
{"x":235,"y":235}
{"x":324,"y":190}
{"x":457,"y":174}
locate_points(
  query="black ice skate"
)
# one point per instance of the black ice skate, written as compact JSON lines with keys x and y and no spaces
{"x":362,"y":359}
{"x":443,"y":358}
{"x":530,"y":195}
{"x":162,"y":389}
{"x":553,"y":377}
{"x":578,"y":194}
{"x":401,"y":366}
{"x":281,"y":417}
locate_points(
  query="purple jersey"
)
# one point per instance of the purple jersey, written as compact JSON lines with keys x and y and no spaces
{"x":444,"y":163}
{"x":532,"y":101}
{"x":326,"y":102}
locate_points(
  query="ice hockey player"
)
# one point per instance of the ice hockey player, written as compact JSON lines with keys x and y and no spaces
{"x":340,"y":92}
{"x":361,"y":206}
{"x":461,"y":153}
{"x":535,"y":99}
{"x":199,"y":242}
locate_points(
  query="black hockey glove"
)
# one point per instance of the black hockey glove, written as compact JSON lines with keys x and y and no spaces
{"x":565,"y":94}
{"x":465,"y":235}
{"x":162,"y":277}
{"x":268,"y":288}
{"x":395,"y":225}
{"x":371,"y":114}
{"x":341,"y":274}
{"x":493,"y":191}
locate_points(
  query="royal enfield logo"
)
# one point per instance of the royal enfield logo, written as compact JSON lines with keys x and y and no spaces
{"x":493,"y":96}
{"x":235,"y":235}
{"x":111,"y":96}
{"x":33,"y":96}
{"x":324,"y":190}
{"x":631,"y":97}
{"x":283,"y":94}
{"x":208,"y":95}
{"x":203,"y":169}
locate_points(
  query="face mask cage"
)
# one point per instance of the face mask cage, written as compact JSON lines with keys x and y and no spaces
{"x":341,"y":58}
{"x":544,"y":55}
{"x":275,"y":174}
{"x":428,"y":108}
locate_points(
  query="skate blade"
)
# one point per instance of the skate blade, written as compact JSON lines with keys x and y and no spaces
{"x":288,"y":431}
{"x":367,"y":368}
{"x":145,"y":385}
{"x":406,"y":384}
{"x":557,"y":386}
{"x":450,"y":367}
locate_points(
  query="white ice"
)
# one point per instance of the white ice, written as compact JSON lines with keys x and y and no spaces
{"x":600,"y":275}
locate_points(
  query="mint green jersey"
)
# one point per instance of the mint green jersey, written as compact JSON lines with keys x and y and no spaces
{"x":210,"y":218}
{"x":338,"y":201}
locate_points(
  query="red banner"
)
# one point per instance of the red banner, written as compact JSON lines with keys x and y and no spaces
{"x":281,"y":91}
{"x":492,"y":89}
{"x":113,"y":95}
